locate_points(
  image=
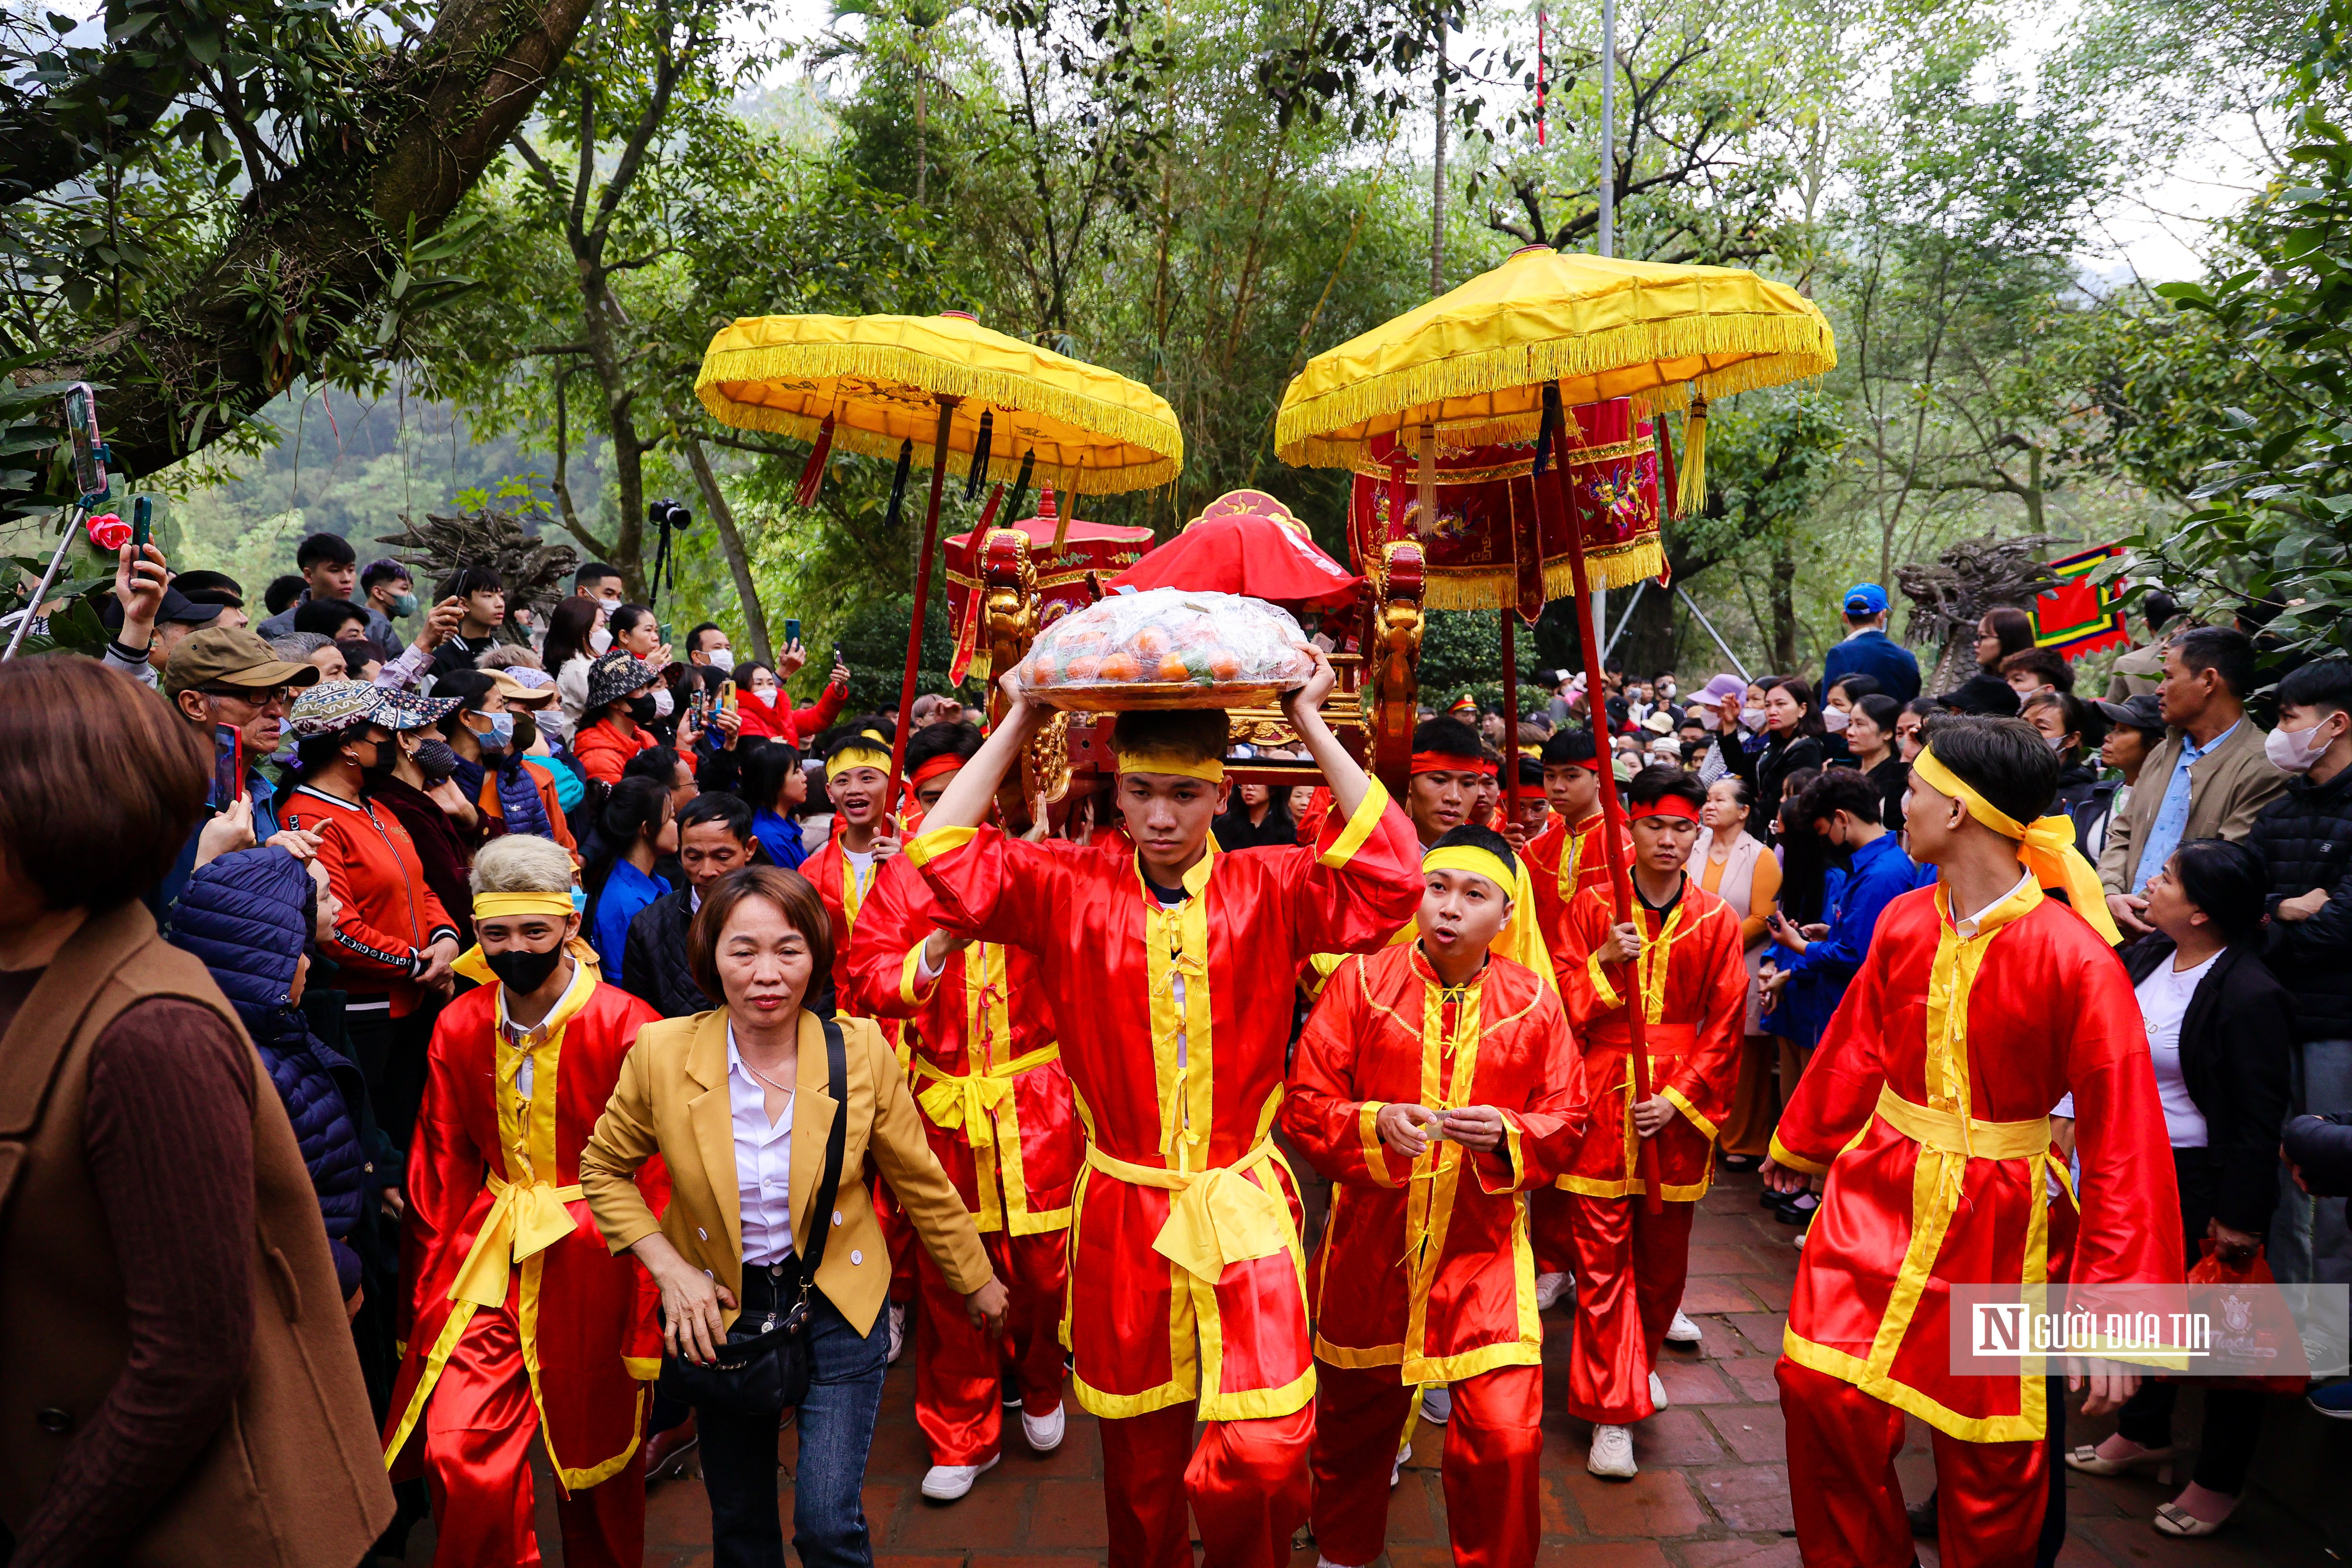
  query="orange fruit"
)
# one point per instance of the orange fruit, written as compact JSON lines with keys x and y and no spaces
{"x":1171,"y":667}
{"x":1149,"y":643}
{"x":1086,"y":667}
{"x":1226,"y":665}
{"x":1119,"y":666}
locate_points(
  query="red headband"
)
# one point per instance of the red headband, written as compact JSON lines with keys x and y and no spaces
{"x":945,"y":763}
{"x":1666,"y":805}
{"x":1447,"y":762}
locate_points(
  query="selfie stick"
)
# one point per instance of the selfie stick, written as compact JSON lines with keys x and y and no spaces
{"x":57,"y":559}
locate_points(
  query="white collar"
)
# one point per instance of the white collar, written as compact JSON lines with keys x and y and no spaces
{"x":1967,"y":924}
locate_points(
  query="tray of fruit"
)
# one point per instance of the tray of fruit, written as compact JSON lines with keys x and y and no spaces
{"x":1168,"y":648}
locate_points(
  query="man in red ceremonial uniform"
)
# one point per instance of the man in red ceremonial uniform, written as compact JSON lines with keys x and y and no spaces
{"x":518,"y":1322}
{"x":1679,"y":958}
{"x":996,"y":1105}
{"x":864,"y":838}
{"x":1981,"y":1004}
{"x":1170,"y":967}
{"x":1563,"y":860}
{"x":1435,"y":1083}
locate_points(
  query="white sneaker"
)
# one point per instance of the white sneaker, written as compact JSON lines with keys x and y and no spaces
{"x":1550,"y":1288}
{"x":1612,"y":1454}
{"x":1682,"y":1331}
{"x":1658,"y":1392}
{"x":898,"y":1346}
{"x":1043,"y":1433}
{"x":1396,"y":1471}
{"x":946,"y":1483}
{"x":1437,"y":1404}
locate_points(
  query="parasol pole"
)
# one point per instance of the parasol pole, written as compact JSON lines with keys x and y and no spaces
{"x":1510,"y":747}
{"x":1612,"y":803}
{"x":1608,"y":245}
{"x":922,"y":599}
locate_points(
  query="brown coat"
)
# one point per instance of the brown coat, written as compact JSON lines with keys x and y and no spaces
{"x":673,"y":1100}
{"x":2227,"y":786}
{"x":295,"y":1478}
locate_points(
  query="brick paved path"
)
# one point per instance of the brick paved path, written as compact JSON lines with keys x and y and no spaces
{"x":1713,"y":1492}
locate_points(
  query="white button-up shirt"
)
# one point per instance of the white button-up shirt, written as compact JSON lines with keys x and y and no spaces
{"x":763,"y":1162}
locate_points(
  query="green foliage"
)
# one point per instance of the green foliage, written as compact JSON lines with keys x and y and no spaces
{"x":2272,"y":508}
{"x":1462,"y":650}
{"x":874,"y":646}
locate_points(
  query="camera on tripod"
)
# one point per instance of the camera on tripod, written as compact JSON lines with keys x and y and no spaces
{"x":669,"y":514}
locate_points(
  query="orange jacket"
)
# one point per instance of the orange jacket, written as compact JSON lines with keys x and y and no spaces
{"x":603,"y":751}
{"x":389,"y":917}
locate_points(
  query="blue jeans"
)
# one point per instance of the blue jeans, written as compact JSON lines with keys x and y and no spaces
{"x":836,"y":1427}
{"x":2310,"y":1242}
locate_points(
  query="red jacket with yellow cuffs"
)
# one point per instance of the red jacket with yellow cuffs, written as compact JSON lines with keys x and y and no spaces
{"x":1692,"y":984}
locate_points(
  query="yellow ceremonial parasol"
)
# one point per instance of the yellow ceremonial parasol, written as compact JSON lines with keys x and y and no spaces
{"x":1501,"y":359}
{"x":950,"y":392}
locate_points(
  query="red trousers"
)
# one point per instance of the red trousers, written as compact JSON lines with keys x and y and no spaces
{"x":1630,"y":1270}
{"x":479,"y":1427}
{"x":1246,"y":1482}
{"x":1990,"y":1496}
{"x":959,"y":1370}
{"x":1548,"y":1230}
{"x":1492,"y":1444}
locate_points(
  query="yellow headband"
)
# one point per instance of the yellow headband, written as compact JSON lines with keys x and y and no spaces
{"x":841,"y":762}
{"x":2046,"y":847}
{"x":1210,"y":772}
{"x":1476,"y":862}
{"x":495,"y":906}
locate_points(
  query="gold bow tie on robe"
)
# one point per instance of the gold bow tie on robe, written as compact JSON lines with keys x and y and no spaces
{"x":523,"y":1222}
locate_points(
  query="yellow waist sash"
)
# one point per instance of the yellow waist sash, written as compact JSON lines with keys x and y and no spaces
{"x":523,"y":1222}
{"x":1944,"y":1131}
{"x":1218,"y":1217}
{"x":965,"y":1100}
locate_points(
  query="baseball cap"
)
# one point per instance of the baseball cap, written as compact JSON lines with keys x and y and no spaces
{"x":223,"y":656}
{"x":210,"y":588}
{"x":2140,"y":712}
{"x":177,"y":610}
{"x":1981,"y":693}
{"x":1865,"y":599}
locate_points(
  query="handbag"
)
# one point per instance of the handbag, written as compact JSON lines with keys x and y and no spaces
{"x":763,"y":1367}
{"x":2246,"y":1328}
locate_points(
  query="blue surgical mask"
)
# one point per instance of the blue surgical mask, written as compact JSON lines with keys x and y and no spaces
{"x":500,"y":734}
{"x":580,"y":901}
{"x":404,"y":605}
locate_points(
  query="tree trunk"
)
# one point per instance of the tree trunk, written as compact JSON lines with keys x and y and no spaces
{"x":1437,"y":179}
{"x":331,"y":232}
{"x":730,"y":543}
{"x":923,"y":162}
{"x":1648,"y":646}
{"x":1784,"y":604}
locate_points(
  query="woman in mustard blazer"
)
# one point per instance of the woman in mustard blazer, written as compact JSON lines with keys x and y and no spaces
{"x":738,"y":1102}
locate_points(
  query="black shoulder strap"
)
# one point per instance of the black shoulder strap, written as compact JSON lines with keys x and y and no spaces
{"x":837,"y":1140}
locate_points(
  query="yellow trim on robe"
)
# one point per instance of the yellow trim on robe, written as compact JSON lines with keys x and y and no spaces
{"x":1673,"y":1097}
{"x":928,"y":845}
{"x":1359,"y":827}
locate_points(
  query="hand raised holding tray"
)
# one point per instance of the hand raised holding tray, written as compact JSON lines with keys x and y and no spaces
{"x":1168,"y":648}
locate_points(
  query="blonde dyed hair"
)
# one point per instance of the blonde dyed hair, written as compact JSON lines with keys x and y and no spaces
{"x":522,"y":863}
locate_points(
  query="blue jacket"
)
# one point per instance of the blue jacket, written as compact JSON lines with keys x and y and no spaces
{"x":1879,"y":874}
{"x":243,"y":915}
{"x":263,"y":795}
{"x":1874,"y":654}
{"x":781,"y":836}
{"x":626,"y":890}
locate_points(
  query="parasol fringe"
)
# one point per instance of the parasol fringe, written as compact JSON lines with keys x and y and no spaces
{"x":1605,"y":566}
{"x":1692,"y":499}
{"x":1775,"y":350}
{"x":812,"y":472}
{"x":1159,"y":438}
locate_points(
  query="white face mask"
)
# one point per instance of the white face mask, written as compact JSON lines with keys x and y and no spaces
{"x":2295,"y":751}
{"x":1751,"y":719}
{"x":2055,"y":742}
{"x":611,"y":605}
{"x":766,"y":694}
{"x":1835,"y":719}
{"x":599,"y":641}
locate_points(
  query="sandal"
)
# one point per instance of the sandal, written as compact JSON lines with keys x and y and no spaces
{"x":2086,"y":1457}
{"x":2174,"y":1519}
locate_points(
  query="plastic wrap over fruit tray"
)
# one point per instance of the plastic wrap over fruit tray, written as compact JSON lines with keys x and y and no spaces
{"x":1168,"y":648}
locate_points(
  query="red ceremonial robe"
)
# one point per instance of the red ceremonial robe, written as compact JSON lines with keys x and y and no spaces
{"x":1174,"y":1024}
{"x":496,"y":1219}
{"x":1563,"y":863}
{"x":1993,"y":1029}
{"x":1425,"y":1266}
{"x":1693,"y":983}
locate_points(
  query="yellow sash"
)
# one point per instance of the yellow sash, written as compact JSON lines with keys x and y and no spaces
{"x":1948,"y":1132}
{"x":1218,"y":1217}
{"x":966,"y":1101}
{"x":523,"y":1222}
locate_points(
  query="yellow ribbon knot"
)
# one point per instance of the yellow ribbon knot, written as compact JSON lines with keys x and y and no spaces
{"x":963,"y":1104}
{"x":523,"y":1222}
{"x":1216,"y":1218}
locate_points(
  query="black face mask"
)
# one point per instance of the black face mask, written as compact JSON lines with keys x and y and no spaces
{"x":642,"y":710}
{"x":524,"y":972}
